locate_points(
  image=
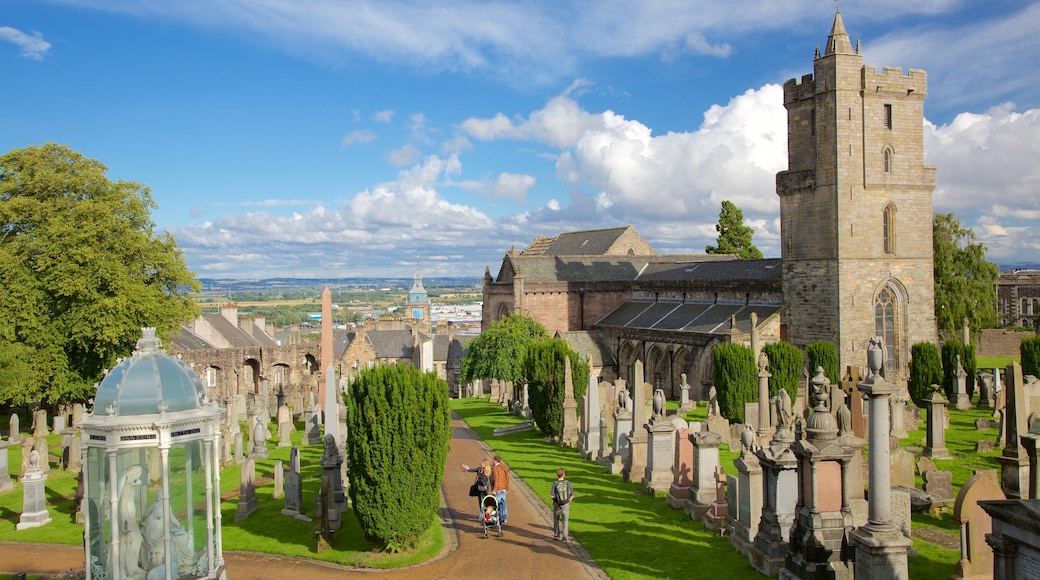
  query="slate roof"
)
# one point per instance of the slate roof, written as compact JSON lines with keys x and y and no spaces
{"x":583,"y":243}
{"x":545,"y":269}
{"x":235,"y":336}
{"x":765,"y":269}
{"x":188,"y":340}
{"x":696,"y":317}
{"x":586,"y":342}
{"x":391,"y":343}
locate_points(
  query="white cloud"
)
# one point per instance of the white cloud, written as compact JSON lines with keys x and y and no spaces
{"x":33,"y":45}
{"x":384,"y":116}
{"x":357,"y":137}
{"x":512,"y":186}
{"x":403,"y":156}
{"x":987,"y":175}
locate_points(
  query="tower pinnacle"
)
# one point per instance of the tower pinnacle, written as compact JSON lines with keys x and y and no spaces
{"x":838,"y":42}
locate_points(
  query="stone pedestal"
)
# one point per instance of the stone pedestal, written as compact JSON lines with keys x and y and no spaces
{"x":1013,"y":460}
{"x":744,"y":517}
{"x":880,"y":553}
{"x":622,"y":428}
{"x":705,"y":458}
{"x":661,"y":454}
{"x":935,"y":432}
{"x":960,"y":399}
{"x":34,"y":497}
{"x":779,"y":501}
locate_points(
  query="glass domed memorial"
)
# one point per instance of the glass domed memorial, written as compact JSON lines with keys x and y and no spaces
{"x":151,"y":471}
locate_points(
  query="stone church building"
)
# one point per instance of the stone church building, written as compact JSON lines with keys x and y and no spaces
{"x":856,"y":247}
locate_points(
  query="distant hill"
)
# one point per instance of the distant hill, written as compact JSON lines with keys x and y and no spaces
{"x":1019,"y":266}
{"x":358,"y":283}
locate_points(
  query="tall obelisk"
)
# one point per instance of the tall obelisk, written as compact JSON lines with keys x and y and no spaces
{"x":327,"y":354}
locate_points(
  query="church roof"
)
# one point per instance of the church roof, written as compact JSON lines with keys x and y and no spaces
{"x":765,"y":269}
{"x":584,"y":243}
{"x":391,"y":343}
{"x":696,"y":317}
{"x":586,"y":343}
{"x":545,"y":269}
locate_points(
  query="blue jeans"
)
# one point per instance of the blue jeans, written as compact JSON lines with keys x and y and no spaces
{"x":502,"y":513}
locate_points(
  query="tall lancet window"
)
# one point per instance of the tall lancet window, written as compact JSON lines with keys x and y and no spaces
{"x":885,"y":326}
{"x":888,"y":227}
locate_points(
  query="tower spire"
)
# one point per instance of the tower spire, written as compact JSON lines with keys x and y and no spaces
{"x":838,"y":42}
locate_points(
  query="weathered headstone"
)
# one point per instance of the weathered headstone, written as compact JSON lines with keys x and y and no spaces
{"x":622,"y":429}
{"x":939,"y":483}
{"x":984,"y":385}
{"x":13,"y":433}
{"x":247,"y":502}
{"x":1013,"y":459}
{"x":239,"y":452}
{"x":635,"y":466}
{"x":279,"y":480}
{"x":902,"y":462}
{"x":935,"y":431}
{"x":960,"y":398}
{"x":34,"y":496}
{"x":39,"y":425}
{"x":293,"y":485}
{"x":716,"y":514}
{"x":745,"y":510}
{"x":661,"y":453}
{"x":976,"y":556}
{"x":590,"y":439}
{"x":40,"y":446}
{"x":5,"y":475}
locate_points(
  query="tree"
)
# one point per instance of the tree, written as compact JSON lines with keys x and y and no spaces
{"x":824,"y":354}
{"x":951,"y":349}
{"x":925,"y":371}
{"x":734,"y":236}
{"x":736,"y":379}
{"x":83,"y":270}
{"x":545,"y":376}
{"x":500,"y":351}
{"x":399,"y":426}
{"x":785,"y":366}
{"x":1029,"y":351}
{"x":965,"y":283}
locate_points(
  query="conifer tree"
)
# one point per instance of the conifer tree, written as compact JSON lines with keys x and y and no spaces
{"x":546,"y":385}
{"x":1030,"y":353}
{"x":399,"y":427}
{"x":785,"y":366}
{"x":925,"y":370}
{"x":736,"y":379}
{"x":824,"y":354}
{"x":734,"y":236}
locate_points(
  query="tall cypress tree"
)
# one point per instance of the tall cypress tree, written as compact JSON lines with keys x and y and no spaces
{"x":736,"y":379}
{"x":785,"y":366}
{"x":546,"y":386}
{"x":399,"y":427}
{"x":734,"y":236}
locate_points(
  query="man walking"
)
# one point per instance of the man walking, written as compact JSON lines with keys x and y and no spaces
{"x":500,"y":485}
{"x":562,"y":492}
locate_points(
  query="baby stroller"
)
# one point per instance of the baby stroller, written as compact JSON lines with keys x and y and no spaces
{"x":489,"y":515}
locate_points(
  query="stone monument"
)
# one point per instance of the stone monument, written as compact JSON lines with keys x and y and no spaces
{"x":569,"y":428}
{"x":590,"y":440}
{"x":705,"y":458}
{"x":247,"y":502}
{"x":744,"y":516}
{"x":34,"y":502}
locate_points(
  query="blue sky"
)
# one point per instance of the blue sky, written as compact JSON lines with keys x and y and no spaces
{"x":321,"y":138}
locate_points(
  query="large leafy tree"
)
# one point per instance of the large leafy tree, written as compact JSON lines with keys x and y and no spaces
{"x":965,"y":282}
{"x":399,"y":426}
{"x":82,"y":270}
{"x":734,"y":236}
{"x":500,"y":351}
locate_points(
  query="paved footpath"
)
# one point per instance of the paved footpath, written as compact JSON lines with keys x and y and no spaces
{"x":527,"y":550}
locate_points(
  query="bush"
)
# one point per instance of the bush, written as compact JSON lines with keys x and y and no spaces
{"x":545,"y":382}
{"x":925,"y":371}
{"x":1030,"y":352}
{"x":785,"y":364}
{"x":824,"y":354}
{"x":951,"y":349}
{"x":736,"y":379}
{"x":399,"y":427}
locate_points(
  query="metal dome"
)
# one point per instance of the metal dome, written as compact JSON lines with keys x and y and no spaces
{"x":149,"y":382}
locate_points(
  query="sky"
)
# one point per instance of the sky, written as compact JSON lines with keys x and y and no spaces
{"x":327,"y":139}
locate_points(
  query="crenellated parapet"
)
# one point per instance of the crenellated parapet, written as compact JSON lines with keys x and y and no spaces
{"x":799,"y":89}
{"x":892,"y":81}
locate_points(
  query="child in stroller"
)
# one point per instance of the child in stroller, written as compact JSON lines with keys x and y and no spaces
{"x":490,"y":515}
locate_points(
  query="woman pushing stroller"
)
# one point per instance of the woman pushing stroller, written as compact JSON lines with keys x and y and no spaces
{"x":482,"y":486}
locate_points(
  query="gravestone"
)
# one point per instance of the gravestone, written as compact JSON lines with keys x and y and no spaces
{"x":705,"y":458}
{"x":682,"y":468}
{"x":590,"y":438}
{"x":935,"y":431}
{"x":960,"y":398}
{"x":902,"y":462}
{"x":311,"y":422}
{"x":984,"y":446}
{"x":5,"y":476}
{"x":34,"y":496}
{"x":284,"y":434}
{"x":332,"y":505}
{"x":58,"y":422}
{"x":247,"y":502}
{"x":72,"y":455}
{"x":258,"y":449}
{"x":239,"y":453}
{"x":939,"y":483}
{"x":569,"y":428}
{"x":40,"y":446}
{"x":28,"y":443}
{"x":745,"y":510}
{"x":976,"y":560}
{"x":635,"y":465}
{"x":293,"y":485}
{"x":1013,"y":459}
{"x":685,"y":405}
{"x":622,"y":428}
{"x":39,"y":425}
{"x":13,"y":433}
{"x":716,"y":515}
{"x":279,"y":480}
{"x":984,"y":385}
{"x":661,"y":453}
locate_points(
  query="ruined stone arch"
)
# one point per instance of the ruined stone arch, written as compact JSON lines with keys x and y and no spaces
{"x":503,"y":312}
{"x":657,"y":369}
{"x":680,"y":365}
{"x":627,"y":354}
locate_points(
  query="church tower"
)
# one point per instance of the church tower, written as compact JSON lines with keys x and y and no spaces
{"x":419,"y":302}
{"x":856,"y":207}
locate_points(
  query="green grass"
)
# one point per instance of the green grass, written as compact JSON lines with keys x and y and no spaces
{"x":265,"y":530}
{"x":995,"y":362}
{"x":631,"y":534}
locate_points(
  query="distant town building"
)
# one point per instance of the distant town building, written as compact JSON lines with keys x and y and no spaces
{"x":1018,"y":298}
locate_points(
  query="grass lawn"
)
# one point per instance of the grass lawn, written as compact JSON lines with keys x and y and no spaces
{"x":995,"y":362}
{"x":632,"y":534}
{"x":265,"y":530}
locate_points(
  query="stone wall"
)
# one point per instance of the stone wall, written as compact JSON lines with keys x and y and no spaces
{"x":999,"y":342}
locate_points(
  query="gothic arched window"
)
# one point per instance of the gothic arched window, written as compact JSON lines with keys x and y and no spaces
{"x":888,"y":161}
{"x":885,"y":325}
